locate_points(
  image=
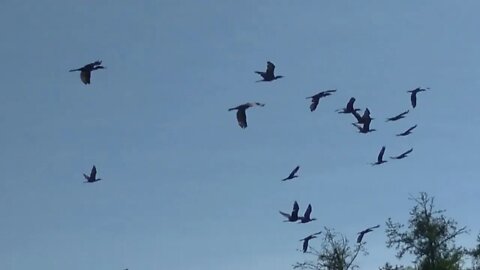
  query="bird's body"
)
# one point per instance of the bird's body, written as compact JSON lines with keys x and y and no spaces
{"x":398,"y":117}
{"x":92,"y":177}
{"x":413,"y":95}
{"x":380,"y":157}
{"x":316,"y":98}
{"x":308,"y":238}
{"x":362,"y":233}
{"x":294,"y":216}
{"x":407,"y":132}
{"x":85,"y":71}
{"x":306,"y":216}
{"x":292,"y":174}
{"x":241,"y":115}
{"x":349,"y":108}
{"x":269,"y":74}
{"x":403,"y":155}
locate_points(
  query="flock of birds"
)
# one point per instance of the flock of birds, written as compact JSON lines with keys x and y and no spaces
{"x":362,"y":124}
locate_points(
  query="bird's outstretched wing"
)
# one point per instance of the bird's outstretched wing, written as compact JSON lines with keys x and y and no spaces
{"x":292,"y":174}
{"x":270,"y":69}
{"x":242,"y":118}
{"x":408,"y":152}
{"x":314,"y":104}
{"x":284,"y":214}
{"x":413,"y":99}
{"x":380,"y":155}
{"x":93,"y":173}
{"x":410,"y":129}
{"x":308,"y":211}
{"x":85,"y":76}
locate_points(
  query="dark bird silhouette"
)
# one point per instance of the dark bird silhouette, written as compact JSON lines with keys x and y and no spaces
{"x":349,"y":108}
{"x":241,"y":115}
{"x":85,"y":71}
{"x":292,"y":174}
{"x":308,"y":238}
{"x":316,"y":98}
{"x":397,"y":117}
{"x":364,"y":118}
{"x":366,"y":126}
{"x":403,"y":155}
{"x":380,"y":157}
{"x":306,"y":216}
{"x":92,"y":178}
{"x":413,"y":95}
{"x":268,"y":75}
{"x":294,"y":216}
{"x":408,"y":131}
{"x":362,"y":233}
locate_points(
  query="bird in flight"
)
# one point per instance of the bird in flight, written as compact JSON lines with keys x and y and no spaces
{"x":268,"y":75}
{"x":413,"y":95}
{"x":308,"y":238}
{"x":241,"y":115}
{"x":292,"y":174}
{"x":407,"y":132}
{"x":294,"y":216}
{"x":397,"y":117}
{"x":316,"y":98}
{"x":403,"y":155}
{"x":349,"y":108}
{"x":93,"y":176}
{"x":85,"y":71}
{"x":306,"y":216}
{"x":380,"y":157}
{"x":362,"y":233}
{"x":366,"y":126}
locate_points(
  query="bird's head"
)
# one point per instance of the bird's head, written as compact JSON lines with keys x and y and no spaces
{"x":279,"y":77}
{"x":259,"y":104}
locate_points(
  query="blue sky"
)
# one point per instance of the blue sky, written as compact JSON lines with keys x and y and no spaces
{"x":184,"y":187}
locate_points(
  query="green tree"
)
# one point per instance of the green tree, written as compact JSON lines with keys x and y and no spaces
{"x":430,"y":237}
{"x":475,"y":255}
{"x":335,"y":253}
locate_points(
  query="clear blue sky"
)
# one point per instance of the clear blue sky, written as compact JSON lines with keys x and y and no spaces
{"x":184,"y":187}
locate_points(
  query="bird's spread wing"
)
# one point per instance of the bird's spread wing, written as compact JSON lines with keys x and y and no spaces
{"x":350,"y":104}
{"x":314,"y":104}
{"x":308,"y":211}
{"x":380,"y":155}
{"x":410,"y":129}
{"x":413,"y":99}
{"x":93,"y":173}
{"x":85,"y":77}
{"x":360,"y":237}
{"x":270,"y":69}
{"x":242,"y":118}
{"x":359,"y":118}
{"x":295,"y":207}
{"x":407,"y":152}
{"x":305,"y":245}
{"x":294,"y":171}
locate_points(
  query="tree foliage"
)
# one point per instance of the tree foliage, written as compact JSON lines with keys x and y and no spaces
{"x":430,"y":237}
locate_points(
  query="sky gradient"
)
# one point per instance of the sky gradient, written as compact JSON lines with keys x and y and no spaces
{"x":184,"y":187}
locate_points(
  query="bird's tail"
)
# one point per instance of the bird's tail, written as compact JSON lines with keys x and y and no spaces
{"x":231,"y":109}
{"x":72,"y":70}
